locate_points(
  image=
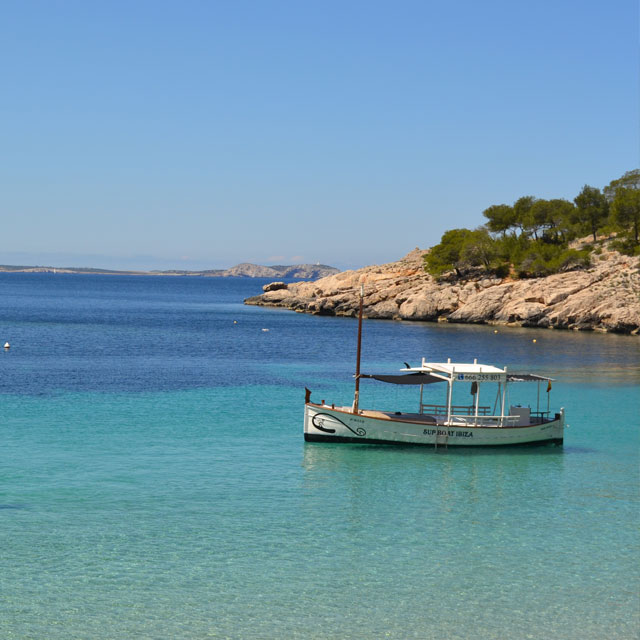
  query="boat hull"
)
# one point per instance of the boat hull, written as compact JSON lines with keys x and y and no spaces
{"x":326,"y":424}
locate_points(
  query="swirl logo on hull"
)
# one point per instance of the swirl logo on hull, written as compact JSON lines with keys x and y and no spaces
{"x":319,"y":421}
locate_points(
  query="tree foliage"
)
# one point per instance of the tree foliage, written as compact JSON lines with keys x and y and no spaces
{"x":530,"y":237}
{"x":630,"y":180}
{"x":543,"y":259}
{"x":446,"y":255}
{"x":462,"y":250}
{"x":501,"y":218}
{"x":592,"y":208}
{"x":522,"y":211}
{"x":478,"y":250}
{"x":625,"y":210}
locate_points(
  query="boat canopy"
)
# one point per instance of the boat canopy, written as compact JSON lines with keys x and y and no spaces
{"x":406,"y":378}
{"x":430,"y":372}
{"x":425,"y":378}
{"x":449,"y":368}
{"x":462,"y":371}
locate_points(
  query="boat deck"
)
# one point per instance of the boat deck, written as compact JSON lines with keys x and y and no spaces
{"x":458,"y":420}
{"x":397,"y":416}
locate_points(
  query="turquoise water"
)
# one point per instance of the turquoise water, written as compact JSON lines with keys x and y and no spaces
{"x":154,"y":482}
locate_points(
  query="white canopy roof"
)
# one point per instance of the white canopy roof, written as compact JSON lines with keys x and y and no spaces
{"x":456,"y":367}
{"x":463,"y":370}
{"x":460,"y":371}
{"x":459,"y":367}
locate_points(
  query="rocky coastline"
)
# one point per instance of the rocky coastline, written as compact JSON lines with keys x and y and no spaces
{"x":604,"y":297}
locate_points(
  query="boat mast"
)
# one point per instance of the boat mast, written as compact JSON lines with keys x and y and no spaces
{"x":356,"y":396}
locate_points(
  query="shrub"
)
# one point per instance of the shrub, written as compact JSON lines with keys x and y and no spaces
{"x":626,"y":246}
{"x":544,"y":259}
{"x":445,"y":256}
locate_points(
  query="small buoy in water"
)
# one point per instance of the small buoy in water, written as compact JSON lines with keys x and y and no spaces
{"x":7,"y":345}
{"x":265,"y":329}
{"x":495,"y":331}
{"x":235,"y":322}
{"x":534,"y":340}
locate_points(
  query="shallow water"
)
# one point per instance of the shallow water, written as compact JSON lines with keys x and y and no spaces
{"x":154,"y":482}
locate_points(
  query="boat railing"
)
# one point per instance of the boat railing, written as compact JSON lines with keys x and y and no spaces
{"x":463,"y":410}
{"x":484,"y":420}
{"x":539,"y":417}
{"x":466,"y":415}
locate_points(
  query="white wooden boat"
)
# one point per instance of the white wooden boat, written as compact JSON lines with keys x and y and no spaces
{"x":447,"y":424}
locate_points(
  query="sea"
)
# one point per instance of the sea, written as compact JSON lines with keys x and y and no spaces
{"x":154,"y":480}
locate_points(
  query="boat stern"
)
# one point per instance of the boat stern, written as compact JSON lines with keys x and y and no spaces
{"x":324,"y":423}
{"x":560,"y":426}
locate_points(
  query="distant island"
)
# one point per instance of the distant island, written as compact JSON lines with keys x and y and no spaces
{"x":244,"y":270}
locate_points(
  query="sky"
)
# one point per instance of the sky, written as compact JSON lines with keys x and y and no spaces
{"x":199,"y":134}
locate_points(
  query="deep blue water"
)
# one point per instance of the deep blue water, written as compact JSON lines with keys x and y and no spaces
{"x":154,"y":482}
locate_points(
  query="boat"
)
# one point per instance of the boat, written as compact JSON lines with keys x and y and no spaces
{"x":446,"y":424}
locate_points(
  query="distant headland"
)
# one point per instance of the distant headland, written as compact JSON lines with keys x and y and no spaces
{"x":245,"y":269}
{"x":536,"y":263}
{"x":604,"y":296}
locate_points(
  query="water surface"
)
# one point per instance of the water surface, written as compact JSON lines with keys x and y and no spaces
{"x":154,"y":482}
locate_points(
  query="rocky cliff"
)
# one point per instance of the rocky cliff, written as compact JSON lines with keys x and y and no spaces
{"x":604,"y":297}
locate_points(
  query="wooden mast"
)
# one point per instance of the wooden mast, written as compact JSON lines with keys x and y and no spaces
{"x":356,"y":396}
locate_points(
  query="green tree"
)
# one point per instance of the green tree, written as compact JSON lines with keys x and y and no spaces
{"x":625,"y":210}
{"x":537,"y":217}
{"x":591,"y":209}
{"x":509,"y":248}
{"x":522,"y":209}
{"x":478,"y":250}
{"x":501,"y":218}
{"x":630,"y":180}
{"x":462,"y":250}
{"x":445,"y":256}
{"x":542,"y":259}
{"x":556,"y":216}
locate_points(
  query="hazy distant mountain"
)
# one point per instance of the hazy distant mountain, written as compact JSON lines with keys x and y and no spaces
{"x":303,"y":271}
{"x":249,"y":270}
{"x":245,"y":269}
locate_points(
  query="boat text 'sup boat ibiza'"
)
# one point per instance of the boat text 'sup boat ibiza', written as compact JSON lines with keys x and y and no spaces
{"x":444,"y":424}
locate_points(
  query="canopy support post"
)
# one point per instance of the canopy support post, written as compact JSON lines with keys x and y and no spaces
{"x":504,"y":394}
{"x":449,"y":397}
{"x":356,"y":397}
{"x":475,"y":422}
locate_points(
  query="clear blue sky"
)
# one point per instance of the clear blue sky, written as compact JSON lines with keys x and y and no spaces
{"x":195,"y":134}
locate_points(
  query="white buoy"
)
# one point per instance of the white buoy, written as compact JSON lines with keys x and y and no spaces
{"x":265,"y":329}
{"x":7,"y":345}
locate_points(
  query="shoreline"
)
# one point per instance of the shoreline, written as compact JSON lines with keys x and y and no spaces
{"x":604,"y":298}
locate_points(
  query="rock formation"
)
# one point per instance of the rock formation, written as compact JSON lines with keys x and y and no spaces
{"x":604,"y":297}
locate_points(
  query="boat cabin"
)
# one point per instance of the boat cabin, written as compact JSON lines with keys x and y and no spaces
{"x":488,"y":386}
